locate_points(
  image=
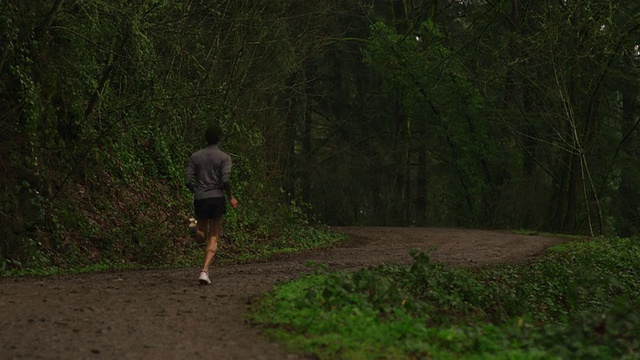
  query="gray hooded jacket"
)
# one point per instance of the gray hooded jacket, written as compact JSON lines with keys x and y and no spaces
{"x":208,"y":172}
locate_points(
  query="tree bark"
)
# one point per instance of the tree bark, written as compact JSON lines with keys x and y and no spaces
{"x":51,"y":16}
{"x":421,"y":188}
{"x":628,"y":192}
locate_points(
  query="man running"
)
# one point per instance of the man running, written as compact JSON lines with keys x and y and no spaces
{"x":208,"y":178}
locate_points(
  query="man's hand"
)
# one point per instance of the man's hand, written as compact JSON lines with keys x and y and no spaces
{"x":233,"y":202}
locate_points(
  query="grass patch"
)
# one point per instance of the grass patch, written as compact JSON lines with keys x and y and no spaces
{"x":548,"y":234}
{"x":55,"y":270}
{"x":243,"y":251}
{"x":579,"y":301}
{"x":302,"y":239}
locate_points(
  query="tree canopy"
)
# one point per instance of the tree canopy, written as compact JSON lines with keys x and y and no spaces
{"x":489,"y":114}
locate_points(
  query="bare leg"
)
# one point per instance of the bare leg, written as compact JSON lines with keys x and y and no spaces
{"x":201,"y":232}
{"x":214,"y":227}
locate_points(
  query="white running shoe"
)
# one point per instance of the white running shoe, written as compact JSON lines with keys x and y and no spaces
{"x":204,"y":278}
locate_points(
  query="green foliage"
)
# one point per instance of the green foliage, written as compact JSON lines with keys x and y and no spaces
{"x":362,"y":113}
{"x":580,"y":300}
{"x":105,"y":102}
{"x":475,"y":114}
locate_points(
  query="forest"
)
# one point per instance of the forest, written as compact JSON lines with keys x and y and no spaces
{"x":494,"y":114}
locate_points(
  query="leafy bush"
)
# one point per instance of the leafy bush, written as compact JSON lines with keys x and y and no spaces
{"x":103,"y":109}
{"x":580,"y":300}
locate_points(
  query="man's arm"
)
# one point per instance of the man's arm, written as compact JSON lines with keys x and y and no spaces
{"x":232,"y":200}
{"x":190,"y":175}
{"x":226,"y":180}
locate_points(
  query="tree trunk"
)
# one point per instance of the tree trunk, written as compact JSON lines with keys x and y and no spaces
{"x":307,"y":156}
{"x":48,"y":21}
{"x":628,"y":192}
{"x":564,"y":200}
{"x":398,"y":200}
{"x":421,"y":188}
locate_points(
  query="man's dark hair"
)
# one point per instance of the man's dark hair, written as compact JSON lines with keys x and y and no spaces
{"x":213,"y":135}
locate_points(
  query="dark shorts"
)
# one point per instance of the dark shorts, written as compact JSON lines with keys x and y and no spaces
{"x":209,"y":208}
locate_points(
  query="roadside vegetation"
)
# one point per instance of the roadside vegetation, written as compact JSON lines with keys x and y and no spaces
{"x":234,"y":247}
{"x":475,"y":114}
{"x":581,"y":300}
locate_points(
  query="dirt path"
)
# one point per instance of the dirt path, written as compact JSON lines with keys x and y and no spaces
{"x":167,"y":315}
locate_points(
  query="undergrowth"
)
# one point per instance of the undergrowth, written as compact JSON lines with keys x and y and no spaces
{"x":124,"y":207}
{"x":579,"y":301}
{"x":191,"y":254}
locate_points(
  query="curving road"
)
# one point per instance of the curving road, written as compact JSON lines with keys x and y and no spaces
{"x":165,"y":314}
